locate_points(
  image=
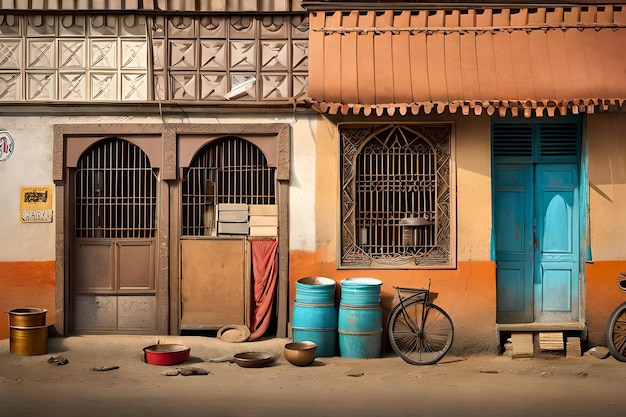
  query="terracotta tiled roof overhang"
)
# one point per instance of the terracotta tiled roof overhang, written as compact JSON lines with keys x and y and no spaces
{"x":518,"y":61}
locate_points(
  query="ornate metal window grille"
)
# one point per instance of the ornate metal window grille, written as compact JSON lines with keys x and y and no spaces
{"x":231,"y":170}
{"x":115,"y":191}
{"x":395,"y":195}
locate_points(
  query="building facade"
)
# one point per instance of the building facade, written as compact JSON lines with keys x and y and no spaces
{"x":473,"y":146}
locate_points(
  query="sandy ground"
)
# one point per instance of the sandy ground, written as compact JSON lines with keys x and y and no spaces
{"x":482,"y":385}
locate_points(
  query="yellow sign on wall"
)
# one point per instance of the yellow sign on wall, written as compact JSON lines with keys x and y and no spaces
{"x":36,"y":204}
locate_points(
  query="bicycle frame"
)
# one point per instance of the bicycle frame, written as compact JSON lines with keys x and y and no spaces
{"x":420,"y":332}
{"x":420,"y":294}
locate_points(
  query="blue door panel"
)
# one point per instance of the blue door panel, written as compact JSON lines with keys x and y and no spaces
{"x":556,"y":288}
{"x":513,"y":215}
{"x":514,"y":300}
{"x":512,"y":222}
{"x":558,"y":251}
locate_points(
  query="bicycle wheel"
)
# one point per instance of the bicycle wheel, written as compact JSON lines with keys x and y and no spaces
{"x":616,"y":333}
{"x":417,"y":342}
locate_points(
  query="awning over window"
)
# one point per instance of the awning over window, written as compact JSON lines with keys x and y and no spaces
{"x":155,"y":5}
{"x":526,"y":61}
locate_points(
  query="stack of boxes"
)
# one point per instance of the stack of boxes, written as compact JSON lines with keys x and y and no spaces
{"x":257,"y":220}
{"x":232,"y":219}
{"x":264,"y":220}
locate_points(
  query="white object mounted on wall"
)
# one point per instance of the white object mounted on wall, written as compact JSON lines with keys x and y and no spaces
{"x":240,"y":87}
{"x":6,"y":145}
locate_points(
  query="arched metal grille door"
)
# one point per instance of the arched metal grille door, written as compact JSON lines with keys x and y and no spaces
{"x":215,"y":284}
{"x":113,"y":280}
{"x":231,"y":171}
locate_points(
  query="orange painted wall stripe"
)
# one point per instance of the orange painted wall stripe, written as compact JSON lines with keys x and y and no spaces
{"x":26,"y":284}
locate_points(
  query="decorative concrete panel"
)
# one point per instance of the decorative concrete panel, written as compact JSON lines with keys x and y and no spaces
{"x":213,"y":87}
{"x":275,"y":86}
{"x":72,"y":54}
{"x":103,"y":54}
{"x":103,"y":86}
{"x":96,"y":312}
{"x":10,"y":54}
{"x":137,"y":313}
{"x":243,"y":55}
{"x":104,"y":25}
{"x":134,"y":55}
{"x":133,"y":25}
{"x":181,"y":27}
{"x":183,"y":86}
{"x":300,"y":56}
{"x":275,"y":55}
{"x":41,"y":54}
{"x":213,"y":54}
{"x":40,"y":86}
{"x":274,"y":27}
{"x":41,"y":25}
{"x":72,"y":86}
{"x":182,"y":54}
{"x":86,"y":58}
{"x":212,"y":27}
{"x":160,"y":92}
{"x":72,"y":25}
{"x":10,"y":26}
{"x":134,"y":87}
{"x":10,"y":86}
{"x":158,"y":54}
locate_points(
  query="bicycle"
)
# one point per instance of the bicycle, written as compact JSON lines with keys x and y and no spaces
{"x":420,"y":332}
{"x":616,"y":326}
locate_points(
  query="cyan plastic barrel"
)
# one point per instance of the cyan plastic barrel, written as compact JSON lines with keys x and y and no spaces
{"x":314,"y":315}
{"x":360,"y":323}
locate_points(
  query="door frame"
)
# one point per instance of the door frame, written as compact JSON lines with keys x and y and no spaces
{"x":159,"y":141}
{"x":583,"y":210}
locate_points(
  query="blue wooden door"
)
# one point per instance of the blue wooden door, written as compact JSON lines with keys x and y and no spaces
{"x":513,"y":218}
{"x":536,"y":222}
{"x":557,"y":248}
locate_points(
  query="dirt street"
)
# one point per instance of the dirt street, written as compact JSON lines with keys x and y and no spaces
{"x":482,"y":385}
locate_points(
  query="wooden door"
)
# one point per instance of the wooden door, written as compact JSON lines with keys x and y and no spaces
{"x":536,"y":221}
{"x":215,"y":284}
{"x":557,"y":243}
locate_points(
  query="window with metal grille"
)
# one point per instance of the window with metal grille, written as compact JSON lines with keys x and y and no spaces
{"x":115,"y":191}
{"x":395,"y":196}
{"x":228,"y":171}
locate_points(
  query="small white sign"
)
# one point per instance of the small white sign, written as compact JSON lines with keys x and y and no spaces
{"x":6,"y":145}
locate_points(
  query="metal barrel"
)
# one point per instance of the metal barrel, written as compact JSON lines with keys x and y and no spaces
{"x":28,"y":333}
{"x":314,"y":315}
{"x":360,"y":318}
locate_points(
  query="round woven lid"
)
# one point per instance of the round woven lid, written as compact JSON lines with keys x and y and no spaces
{"x":233,"y":333}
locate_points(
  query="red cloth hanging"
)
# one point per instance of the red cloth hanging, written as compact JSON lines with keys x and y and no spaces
{"x":264,"y":277}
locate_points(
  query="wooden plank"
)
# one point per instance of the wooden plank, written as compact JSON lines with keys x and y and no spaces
{"x":214,"y":282}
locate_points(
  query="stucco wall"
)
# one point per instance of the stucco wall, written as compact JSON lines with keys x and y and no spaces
{"x":467,"y":293}
{"x":607,"y":221}
{"x":27,"y":261}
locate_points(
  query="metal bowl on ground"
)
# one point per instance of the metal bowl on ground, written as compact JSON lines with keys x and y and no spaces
{"x":300,"y":353}
{"x":166,"y":354}
{"x":254,"y":359}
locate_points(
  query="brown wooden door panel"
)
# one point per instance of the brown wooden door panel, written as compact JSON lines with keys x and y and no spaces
{"x":136,"y":266}
{"x":94,"y":266}
{"x":215,"y":283}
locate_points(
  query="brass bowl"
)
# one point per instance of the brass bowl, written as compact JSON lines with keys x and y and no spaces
{"x":300,"y":353}
{"x":254,"y":359}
